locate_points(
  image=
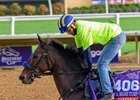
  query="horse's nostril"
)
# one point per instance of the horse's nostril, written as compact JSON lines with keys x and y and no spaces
{"x":21,"y":77}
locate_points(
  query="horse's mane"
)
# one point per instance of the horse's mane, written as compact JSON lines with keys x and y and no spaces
{"x":67,"y":50}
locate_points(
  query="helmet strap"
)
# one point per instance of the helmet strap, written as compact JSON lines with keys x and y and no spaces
{"x":73,"y":25}
{"x":74,"y":28}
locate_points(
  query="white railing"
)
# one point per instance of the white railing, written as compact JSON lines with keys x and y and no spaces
{"x":55,"y":17}
{"x":77,"y":16}
{"x":30,"y":39}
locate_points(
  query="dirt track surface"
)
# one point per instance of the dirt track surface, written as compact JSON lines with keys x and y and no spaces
{"x":41,"y":89}
{"x":12,"y":89}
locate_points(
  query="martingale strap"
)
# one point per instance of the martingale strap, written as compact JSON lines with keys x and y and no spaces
{"x":92,"y":89}
{"x":26,"y":65}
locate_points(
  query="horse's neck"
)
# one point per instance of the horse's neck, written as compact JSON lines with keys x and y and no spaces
{"x":62,"y":66}
{"x":66,"y":82}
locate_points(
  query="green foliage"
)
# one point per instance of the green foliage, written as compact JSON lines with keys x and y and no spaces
{"x":58,"y":8}
{"x":43,"y":9}
{"x":3,"y":10}
{"x":101,"y":9}
{"x":29,"y":9}
{"x":15,"y":9}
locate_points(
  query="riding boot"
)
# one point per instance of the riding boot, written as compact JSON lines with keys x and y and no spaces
{"x":108,"y":96}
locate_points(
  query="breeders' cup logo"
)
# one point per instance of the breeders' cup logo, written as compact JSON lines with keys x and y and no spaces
{"x":10,"y":56}
{"x":95,"y":53}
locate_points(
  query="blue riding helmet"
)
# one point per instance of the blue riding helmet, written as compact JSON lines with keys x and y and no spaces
{"x":64,"y":22}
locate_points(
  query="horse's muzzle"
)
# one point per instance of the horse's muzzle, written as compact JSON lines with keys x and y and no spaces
{"x":26,"y":80}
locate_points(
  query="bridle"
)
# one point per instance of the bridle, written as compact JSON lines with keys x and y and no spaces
{"x":35,"y":69}
{"x":37,"y":74}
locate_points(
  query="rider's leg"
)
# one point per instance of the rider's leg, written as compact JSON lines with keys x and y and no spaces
{"x":88,"y":60}
{"x":108,"y":53}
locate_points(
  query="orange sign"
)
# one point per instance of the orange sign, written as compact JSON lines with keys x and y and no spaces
{"x":127,"y":98}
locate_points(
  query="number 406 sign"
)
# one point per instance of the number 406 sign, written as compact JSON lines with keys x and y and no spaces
{"x":127,"y":86}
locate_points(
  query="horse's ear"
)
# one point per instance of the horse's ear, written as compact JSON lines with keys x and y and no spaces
{"x":40,"y":40}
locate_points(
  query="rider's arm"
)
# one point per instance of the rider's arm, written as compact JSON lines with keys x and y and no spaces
{"x":86,"y":52}
{"x":87,"y":58}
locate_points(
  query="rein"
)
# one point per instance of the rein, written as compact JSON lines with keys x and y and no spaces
{"x":62,"y":73}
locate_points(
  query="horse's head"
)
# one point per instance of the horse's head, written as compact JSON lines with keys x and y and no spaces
{"x":65,"y":63}
{"x":53,"y":57}
{"x":36,"y":64}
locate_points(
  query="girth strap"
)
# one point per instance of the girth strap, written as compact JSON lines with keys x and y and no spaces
{"x":77,"y":86}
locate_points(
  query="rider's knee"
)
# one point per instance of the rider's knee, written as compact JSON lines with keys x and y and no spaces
{"x":102,"y":64}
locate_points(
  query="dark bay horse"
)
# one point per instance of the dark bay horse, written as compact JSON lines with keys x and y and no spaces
{"x":65,"y":63}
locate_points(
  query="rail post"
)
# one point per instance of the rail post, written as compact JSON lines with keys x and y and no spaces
{"x":118,"y":22}
{"x":50,"y":7}
{"x":118,"y":18}
{"x":137,"y":48}
{"x":13,"y":25}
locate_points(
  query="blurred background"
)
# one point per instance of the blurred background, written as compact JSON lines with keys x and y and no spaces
{"x":29,"y":17}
